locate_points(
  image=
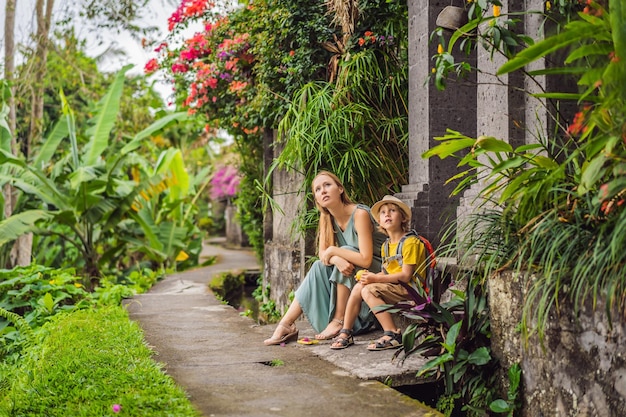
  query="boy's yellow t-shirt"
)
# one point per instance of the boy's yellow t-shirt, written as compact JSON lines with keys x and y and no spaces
{"x":413,"y":253}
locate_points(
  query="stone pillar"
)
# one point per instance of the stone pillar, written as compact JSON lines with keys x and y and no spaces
{"x":285,"y":250}
{"x":503,"y":110}
{"x":492,"y":119}
{"x":431,"y":112}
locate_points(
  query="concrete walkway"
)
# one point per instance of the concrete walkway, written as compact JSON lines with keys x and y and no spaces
{"x":218,"y":356}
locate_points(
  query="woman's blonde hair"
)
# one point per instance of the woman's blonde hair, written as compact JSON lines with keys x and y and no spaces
{"x":325,"y":229}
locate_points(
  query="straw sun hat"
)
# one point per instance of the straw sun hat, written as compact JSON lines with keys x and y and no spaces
{"x":393,"y":200}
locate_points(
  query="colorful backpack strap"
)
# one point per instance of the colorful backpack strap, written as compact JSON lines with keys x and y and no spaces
{"x":431,"y":283}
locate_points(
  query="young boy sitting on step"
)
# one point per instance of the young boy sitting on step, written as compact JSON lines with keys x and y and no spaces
{"x":376,"y":289}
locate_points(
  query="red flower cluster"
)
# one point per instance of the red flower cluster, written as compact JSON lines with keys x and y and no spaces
{"x":373,"y":39}
{"x":151,"y":66}
{"x":578,"y":124}
{"x":188,"y":9}
{"x":211,"y":70}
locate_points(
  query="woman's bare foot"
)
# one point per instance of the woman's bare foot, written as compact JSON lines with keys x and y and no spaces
{"x":331,"y":331}
{"x":282,"y":334}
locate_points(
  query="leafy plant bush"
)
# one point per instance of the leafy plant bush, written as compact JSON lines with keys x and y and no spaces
{"x":88,"y":363}
{"x":556,"y":208}
{"x":100,"y":198}
{"x":456,"y":335}
{"x":37,"y":292}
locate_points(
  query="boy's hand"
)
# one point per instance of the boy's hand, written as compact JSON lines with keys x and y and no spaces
{"x":367,"y":277}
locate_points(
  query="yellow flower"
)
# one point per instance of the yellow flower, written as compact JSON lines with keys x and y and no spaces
{"x":182,"y":256}
{"x":496,"y":10}
{"x":433,"y":70}
{"x":439,"y":49}
{"x":78,"y":285}
{"x":52,"y":282}
{"x":548,"y":5}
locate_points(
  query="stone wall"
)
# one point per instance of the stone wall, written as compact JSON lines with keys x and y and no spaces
{"x":579,"y":370}
{"x":285,"y":250}
{"x":234,"y":234}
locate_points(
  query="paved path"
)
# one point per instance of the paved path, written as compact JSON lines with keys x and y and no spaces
{"x":218,"y":356}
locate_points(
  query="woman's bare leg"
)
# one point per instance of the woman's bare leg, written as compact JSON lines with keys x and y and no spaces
{"x":336,"y":323}
{"x":289,"y":318}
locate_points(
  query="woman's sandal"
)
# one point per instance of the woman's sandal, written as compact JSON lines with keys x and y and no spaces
{"x":292,"y":334}
{"x":383,"y":344}
{"x":325,"y":336}
{"x":344,"y":342}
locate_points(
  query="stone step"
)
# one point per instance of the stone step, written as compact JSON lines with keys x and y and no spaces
{"x":361,"y":363}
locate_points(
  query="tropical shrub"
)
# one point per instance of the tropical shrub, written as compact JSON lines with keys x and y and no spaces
{"x":355,"y":123}
{"x":455,"y":335}
{"x":560,"y":200}
{"x":100,"y":198}
{"x":35,"y":294}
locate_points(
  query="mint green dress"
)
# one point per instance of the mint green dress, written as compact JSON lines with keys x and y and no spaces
{"x":317,"y":293}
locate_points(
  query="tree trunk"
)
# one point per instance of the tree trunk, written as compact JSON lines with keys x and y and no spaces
{"x":9,"y":67}
{"x":21,"y":252}
{"x":43,"y":10}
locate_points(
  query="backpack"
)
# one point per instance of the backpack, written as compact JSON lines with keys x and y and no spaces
{"x":432,"y":284}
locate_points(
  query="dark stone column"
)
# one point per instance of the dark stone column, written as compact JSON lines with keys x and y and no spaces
{"x":431,"y":112}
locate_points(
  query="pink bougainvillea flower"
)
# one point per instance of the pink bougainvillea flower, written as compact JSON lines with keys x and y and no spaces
{"x":225,"y":182}
{"x":151,"y":66}
{"x":188,"y":9}
{"x":160,"y":47}
{"x":231,"y":64}
{"x":178,"y":67}
{"x":212,"y":82}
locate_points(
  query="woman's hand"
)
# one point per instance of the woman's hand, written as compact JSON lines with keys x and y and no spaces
{"x":327,"y":254}
{"x":345,"y":267}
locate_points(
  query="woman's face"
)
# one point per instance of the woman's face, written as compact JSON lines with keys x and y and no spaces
{"x":326,"y":190}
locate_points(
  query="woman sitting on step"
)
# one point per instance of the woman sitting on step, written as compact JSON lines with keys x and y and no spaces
{"x":348,"y":241}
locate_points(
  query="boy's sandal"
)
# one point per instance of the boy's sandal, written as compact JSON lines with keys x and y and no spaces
{"x":343,"y":342}
{"x":383,"y":344}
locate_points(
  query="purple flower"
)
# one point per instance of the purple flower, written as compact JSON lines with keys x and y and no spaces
{"x":225,"y":182}
{"x":116,"y":408}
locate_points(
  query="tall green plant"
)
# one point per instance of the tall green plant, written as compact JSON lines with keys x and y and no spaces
{"x":86,"y":197}
{"x":561,"y":202}
{"x":356,"y":127}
